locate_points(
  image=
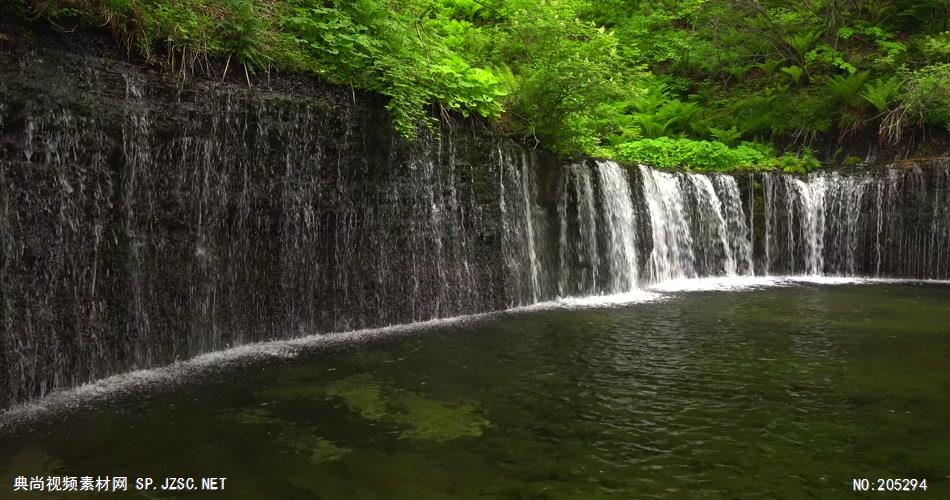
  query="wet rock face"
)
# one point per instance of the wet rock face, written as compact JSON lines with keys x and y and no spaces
{"x":146,"y":220}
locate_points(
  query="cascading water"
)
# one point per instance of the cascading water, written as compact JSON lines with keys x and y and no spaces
{"x":579,"y":253}
{"x":672,"y":256}
{"x":598,"y":242}
{"x":699,"y":227}
{"x":619,"y":224}
{"x":137,"y":229}
{"x":523,"y":226}
{"x":137,"y":234}
{"x":736,"y":234}
{"x":889,"y":224}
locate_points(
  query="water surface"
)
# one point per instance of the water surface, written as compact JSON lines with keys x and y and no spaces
{"x":783,"y":392}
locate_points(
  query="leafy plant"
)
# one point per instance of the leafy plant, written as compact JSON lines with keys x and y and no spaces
{"x":936,"y":47}
{"x":652,"y":126}
{"x":728,"y":136}
{"x":803,"y":41}
{"x":927,"y":95}
{"x":362,"y":42}
{"x":713,"y":156}
{"x":795,"y":72}
{"x":242,"y":33}
{"x":881,"y":92}
{"x":847,"y":89}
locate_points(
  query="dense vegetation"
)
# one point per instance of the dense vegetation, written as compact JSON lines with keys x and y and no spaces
{"x":708,"y":84}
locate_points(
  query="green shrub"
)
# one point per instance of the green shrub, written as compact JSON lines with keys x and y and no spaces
{"x":579,"y":75}
{"x":711,"y":156}
{"x":937,"y":47}
{"x":242,"y":33}
{"x":926,"y":97}
{"x":881,"y":92}
{"x":367,"y":43}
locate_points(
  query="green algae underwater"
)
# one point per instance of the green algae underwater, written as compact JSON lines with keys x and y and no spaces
{"x":787,"y":392}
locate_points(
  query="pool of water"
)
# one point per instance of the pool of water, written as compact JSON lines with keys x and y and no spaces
{"x":789,"y":391}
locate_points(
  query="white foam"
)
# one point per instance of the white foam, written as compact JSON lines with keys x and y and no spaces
{"x":848,"y":280}
{"x":721,"y":283}
{"x":595,"y":301}
{"x":739,"y":283}
{"x":834,"y":280}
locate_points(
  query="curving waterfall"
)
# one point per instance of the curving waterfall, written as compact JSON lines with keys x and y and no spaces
{"x":144,"y":224}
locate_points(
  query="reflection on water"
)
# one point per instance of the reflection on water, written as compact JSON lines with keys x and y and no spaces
{"x":782,"y":392}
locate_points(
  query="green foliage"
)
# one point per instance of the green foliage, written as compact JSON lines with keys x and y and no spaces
{"x":795,"y":72}
{"x":367,"y":43}
{"x":565,"y":67}
{"x":711,"y":156}
{"x":649,"y":79}
{"x":242,"y":33}
{"x":802,"y":42}
{"x":341,"y":45}
{"x":847,"y":89}
{"x":397,"y":50}
{"x":728,"y":137}
{"x":937,"y":47}
{"x":927,"y":95}
{"x":881,"y":92}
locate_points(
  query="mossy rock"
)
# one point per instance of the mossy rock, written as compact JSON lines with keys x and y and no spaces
{"x":307,"y":442}
{"x":852,"y":161}
{"x":437,"y":421}
{"x":362,"y":394}
{"x":423,"y":418}
{"x":255,"y":416}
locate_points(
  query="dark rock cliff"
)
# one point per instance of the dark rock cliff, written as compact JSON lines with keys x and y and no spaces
{"x":147,"y":219}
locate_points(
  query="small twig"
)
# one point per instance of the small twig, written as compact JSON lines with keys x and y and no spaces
{"x":227,"y":64}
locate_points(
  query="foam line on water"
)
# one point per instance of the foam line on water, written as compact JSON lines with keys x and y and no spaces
{"x":846,"y":280}
{"x":740,"y":283}
{"x":595,"y":301}
{"x":182,"y":371}
{"x":724,"y":283}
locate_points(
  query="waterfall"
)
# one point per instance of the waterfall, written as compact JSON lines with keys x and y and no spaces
{"x":523,"y":225}
{"x":598,"y":242}
{"x":858,"y":223}
{"x":795,"y":223}
{"x":152,"y":224}
{"x":147,"y":233}
{"x":737,"y":232}
{"x":579,"y":253}
{"x":528,"y":194}
{"x":811,"y":201}
{"x":699,"y":226}
{"x":621,"y":245}
{"x":673,"y":255}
